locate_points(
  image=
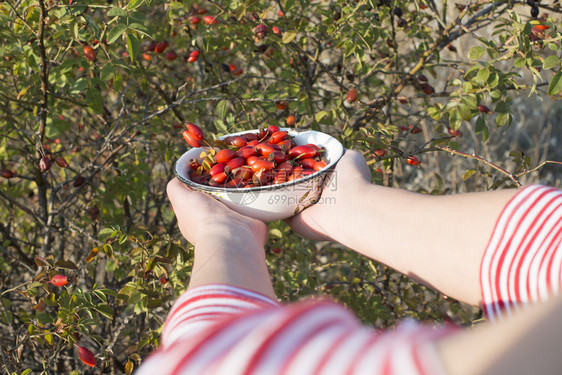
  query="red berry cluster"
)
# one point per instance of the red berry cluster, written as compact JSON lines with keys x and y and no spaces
{"x":46,"y":161}
{"x":267,"y":157}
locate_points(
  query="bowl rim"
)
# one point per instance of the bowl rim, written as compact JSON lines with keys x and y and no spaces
{"x":219,"y":189}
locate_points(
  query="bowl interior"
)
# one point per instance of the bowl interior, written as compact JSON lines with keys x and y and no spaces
{"x":334,"y":151}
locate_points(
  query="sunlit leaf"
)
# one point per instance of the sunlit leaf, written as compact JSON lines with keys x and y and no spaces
{"x":116,"y":32}
{"x":476,"y":52}
{"x":555,"y":86}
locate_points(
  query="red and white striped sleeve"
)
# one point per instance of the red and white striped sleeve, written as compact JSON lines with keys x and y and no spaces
{"x":219,"y":329}
{"x":523,"y":261}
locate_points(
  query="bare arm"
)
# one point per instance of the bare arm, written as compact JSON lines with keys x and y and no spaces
{"x":438,"y":240}
{"x":527,"y":343}
{"x":228,"y":246}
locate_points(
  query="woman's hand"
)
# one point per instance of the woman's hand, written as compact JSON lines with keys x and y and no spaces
{"x":228,"y":245}
{"x":323,"y":221}
{"x":201,"y":216}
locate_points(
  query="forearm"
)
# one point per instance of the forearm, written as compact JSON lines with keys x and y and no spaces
{"x":527,"y":343}
{"x":234,"y":257}
{"x":438,"y":240}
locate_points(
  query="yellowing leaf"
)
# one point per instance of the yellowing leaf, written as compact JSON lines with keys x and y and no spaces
{"x":23,"y":92}
{"x":92,"y":254}
{"x":129,"y":367}
{"x":288,"y":36}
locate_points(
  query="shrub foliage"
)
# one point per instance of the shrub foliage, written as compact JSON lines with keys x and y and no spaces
{"x":93,"y":98}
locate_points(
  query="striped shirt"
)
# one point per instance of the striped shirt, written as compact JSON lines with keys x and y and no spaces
{"x":221,"y":329}
{"x":523,"y":260}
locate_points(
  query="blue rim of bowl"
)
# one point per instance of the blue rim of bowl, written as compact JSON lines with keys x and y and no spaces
{"x":259,"y":188}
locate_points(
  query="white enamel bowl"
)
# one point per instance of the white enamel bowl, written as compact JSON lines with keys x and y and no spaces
{"x":272,"y":202}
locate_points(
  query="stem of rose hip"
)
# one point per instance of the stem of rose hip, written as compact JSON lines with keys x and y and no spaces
{"x":207,"y":143}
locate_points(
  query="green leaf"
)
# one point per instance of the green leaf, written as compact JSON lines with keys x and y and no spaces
{"x":320,"y":115}
{"x":476,"y":52}
{"x":467,"y":174}
{"x":520,"y":62}
{"x":471,"y":72}
{"x":154,"y":303}
{"x":76,"y":30}
{"x":495,"y":94}
{"x":138,"y":17}
{"x":493,"y":80}
{"x":107,"y":72}
{"x":222,"y":107}
{"x":105,"y":233}
{"x":482,"y":75}
{"x":140,"y":28}
{"x":470,"y":101}
{"x":452,"y":105}
{"x":94,"y":99}
{"x":221,"y":126}
{"x":100,"y":295}
{"x":551,"y":61}
{"x":66,"y":264}
{"x":502,"y":107}
{"x":44,"y":318}
{"x":117,"y":12}
{"x":122,"y":239}
{"x":133,"y":46}
{"x":288,"y":36}
{"x":482,"y":128}
{"x":275,"y":232}
{"x":555,"y":86}
{"x":485,"y":134}
{"x":454,"y":119}
{"x":61,"y":126}
{"x":111,"y":292}
{"x":134,"y":4}
{"x":116,"y":32}
{"x":105,"y":310}
{"x":176,"y":5}
{"x":117,"y":82}
{"x":79,"y":86}
{"x":435,"y":113}
{"x":503,"y":118}
{"x":480,"y":125}
{"x":465,"y":112}
{"x":108,"y":249}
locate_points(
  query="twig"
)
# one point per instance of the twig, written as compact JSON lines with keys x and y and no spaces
{"x":448,"y":149}
{"x":80,"y":230}
{"x":23,"y":258}
{"x":167,"y":99}
{"x":538,"y":167}
{"x":22,"y":207}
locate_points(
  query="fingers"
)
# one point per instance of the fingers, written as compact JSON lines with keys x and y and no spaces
{"x":177,"y":192}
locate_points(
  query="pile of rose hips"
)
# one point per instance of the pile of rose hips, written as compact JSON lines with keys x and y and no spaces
{"x":266,"y":157}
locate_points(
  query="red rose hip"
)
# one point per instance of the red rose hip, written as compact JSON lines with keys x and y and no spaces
{"x":86,"y":356}
{"x":59,"y":280}
{"x":224,"y":155}
{"x":89,"y":53}
{"x":195,"y":131}
{"x":190,"y":139}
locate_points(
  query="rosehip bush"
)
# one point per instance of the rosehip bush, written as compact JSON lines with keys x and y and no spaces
{"x":439,"y":96}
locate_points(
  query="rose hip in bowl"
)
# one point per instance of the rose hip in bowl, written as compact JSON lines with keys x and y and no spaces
{"x":273,"y":182}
